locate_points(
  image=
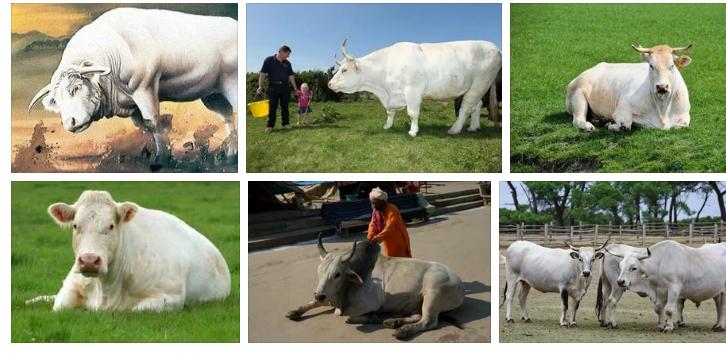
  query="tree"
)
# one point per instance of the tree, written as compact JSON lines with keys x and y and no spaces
{"x":554,"y":194}
{"x":719,"y":191}
{"x":513,"y":191}
{"x":706,"y":189}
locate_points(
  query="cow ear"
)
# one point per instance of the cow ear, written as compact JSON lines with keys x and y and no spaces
{"x":683,"y":61}
{"x":599,"y":255}
{"x":575,"y":255}
{"x":354,"y":278}
{"x":62,"y":213}
{"x":126,"y":211}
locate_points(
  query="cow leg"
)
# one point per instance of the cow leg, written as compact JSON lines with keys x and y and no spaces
{"x":660,"y":302}
{"x":494,"y":105}
{"x":467,"y":105}
{"x":670,"y":309}
{"x":395,"y":323}
{"x":148,"y":103}
{"x":623,"y":117}
{"x":296,"y":314}
{"x":578,"y":108}
{"x":429,"y":317}
{"x":612,"y":303}
{"x":575,"y":305}
{"x":564,"y":298}
{"x":523,"y":301}
{"x":720,"y":301}
{"x":413,"y":108}
{"x":475,"y":119}
{"x":679,"y":313}
{"x":74,"y":293}
{"x":510,"y":290}
{"x":160,"y":303}
{"x":219,"y":104}
{"x":389,"y":121}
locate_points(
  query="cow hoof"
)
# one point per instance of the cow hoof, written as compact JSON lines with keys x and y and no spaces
{"x":392,"y":323}
{"x":680,"y":324}
{"x":527,"y":320}
{"x":387,"y":126}
{"x":612,"y":326}
{"x":588,"y":127}
{"x":401,"y":333}
{"x":668,"y":329}
{"x":510,"y":320}
{"x":412,"y":133}
{"x":293,"y":315}
{"x":564,"y":325}
{"x":455,"y":131}
{"x":473,"y":129}
{"x":573,"y":325}
{"x":718,"y":329}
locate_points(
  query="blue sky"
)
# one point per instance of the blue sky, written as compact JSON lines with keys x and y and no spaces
{"x":315,"y":31}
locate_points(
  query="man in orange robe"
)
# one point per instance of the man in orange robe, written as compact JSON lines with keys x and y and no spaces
{"x":387,"y":226}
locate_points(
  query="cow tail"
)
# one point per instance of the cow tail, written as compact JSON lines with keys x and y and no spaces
{"x":451,"y":320}
{"x":599,"y":301}
{"x":504,"y":295}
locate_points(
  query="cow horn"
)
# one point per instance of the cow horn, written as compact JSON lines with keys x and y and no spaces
{"x":352,"y":251}
{"x":613,"y":254}
{"x":641,"y":257}
{"x":344,"y":49}
{"x":604,"y":245}
{"x":640,"y":49}
{"x":570,"y":246}
{"x":681,"y":49}
{"x":335,"y":58}
{"x":41,"y":93}
{"x":101,"y":70}
{"x":321,"y":248}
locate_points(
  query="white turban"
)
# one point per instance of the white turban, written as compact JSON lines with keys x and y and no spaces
{"x":378,"y":194}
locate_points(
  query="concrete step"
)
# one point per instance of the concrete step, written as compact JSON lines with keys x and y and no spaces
{"x":455,"y":200}
{"x":459,"y":207}
{"x":289,"y":237}
{"x":263,"y":217}
{"x":279,"y":226}
{"x":452,"y":194}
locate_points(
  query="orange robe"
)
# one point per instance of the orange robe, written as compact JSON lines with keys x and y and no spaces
{"x":394,"y":235}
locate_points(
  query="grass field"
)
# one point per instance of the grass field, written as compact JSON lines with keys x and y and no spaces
{"x":552,"y":44}
{"x":635,"y":316}
{"x":358,"y":143}
{"x":42,"y":256}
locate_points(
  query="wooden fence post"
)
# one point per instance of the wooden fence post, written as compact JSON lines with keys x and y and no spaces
{"x":642,"y":241}
{"x":668,"y":231}
{"x":715,"y":232}
{"x":572,"y":232}
{"x":580,"y":233}
{"x":596,"y":232}
{"x":620,"y":234}
{"x":546,"y":230}
{"x":690,"y":233}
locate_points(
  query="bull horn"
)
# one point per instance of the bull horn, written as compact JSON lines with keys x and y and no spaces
{"x":614,"y":254}
{"x":352,"y":251}
{"x":321,"y":248}
{"x":335,"y":58}
{"x":41,"y":93}
{"x":681,"y":49}
{"x":604,"y":245}
{"x":93,"y":69}
{"x":641,"y":257}
{"x":344,"y":49}
{"x":570,"y":246}
{"x":642,"y":50}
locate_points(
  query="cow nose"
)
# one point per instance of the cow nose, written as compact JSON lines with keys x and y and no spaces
{"x":621,"y":283}
{"x":89,"y":263}
{"x":320,"y":297}
{"x":73,"y":121}
{"x":586,"y":273}
{"x":662,"y":88}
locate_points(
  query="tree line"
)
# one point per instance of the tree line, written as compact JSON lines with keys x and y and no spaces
{"x":621,"y":202}
{"x":317,"y":81}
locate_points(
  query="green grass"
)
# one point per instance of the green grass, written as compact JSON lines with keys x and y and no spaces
{"x":635,"y":316}
{"x":42,"y":256}
{"x":552,"y":44}
{"x":358,"y":143}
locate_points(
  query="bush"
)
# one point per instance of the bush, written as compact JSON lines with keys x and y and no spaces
{"x":327,"y":115}
{"x":316,"y":79}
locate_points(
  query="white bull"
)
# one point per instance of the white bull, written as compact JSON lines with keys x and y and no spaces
{"x":129,"y":60}
{"x":565,"y":271}
{"x":649,"y":94}
{"x":404,"y":74}
{"x":676,"y":272}
{"x":127,"y":257}
{"x":365,"y":283}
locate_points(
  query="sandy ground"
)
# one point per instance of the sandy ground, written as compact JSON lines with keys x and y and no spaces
{"x":283,"y":279}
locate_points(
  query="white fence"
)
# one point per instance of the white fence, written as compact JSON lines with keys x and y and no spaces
{"x":639,"y":234}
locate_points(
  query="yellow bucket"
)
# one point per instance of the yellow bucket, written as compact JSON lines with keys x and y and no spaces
{"x":259,"y":109}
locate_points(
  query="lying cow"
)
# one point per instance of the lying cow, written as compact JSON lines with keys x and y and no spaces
{"x":493,"y":116}
{"x":127,"y":257}
{"x":609,"y":293}
{"x":565,"y":271}
{"x":129,"y":60}
{"x":675,"y":272}
{"x":649,"y":94}
{"x":404,"y":74}
{"x":363,"y":284}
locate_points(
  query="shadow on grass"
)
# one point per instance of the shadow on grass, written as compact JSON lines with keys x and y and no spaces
{"x":437,"y":131}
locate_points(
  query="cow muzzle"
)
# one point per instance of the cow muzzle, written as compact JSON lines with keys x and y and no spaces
{"x":586,"y":273}
{"x":320,"y":297}
{"x":89,"y":264}
{"x":662,"y":89}
{"x":621,"y":283}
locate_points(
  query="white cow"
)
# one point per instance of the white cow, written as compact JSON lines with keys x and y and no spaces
{"x":649,"y":94}
{"x":128,"y":60}
{"x":565,"y":271}
{"x":404,"y":74}
{"x":675,"y":272}
{"x":127,"y":257}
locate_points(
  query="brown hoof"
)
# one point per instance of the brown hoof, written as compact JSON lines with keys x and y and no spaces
{"x":510,"y":320}
{"x":718,"y":329}
{"x":293,"y":315}
{"x":527,"y":320}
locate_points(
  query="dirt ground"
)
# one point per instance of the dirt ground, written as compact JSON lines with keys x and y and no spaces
{"x":283,"y":279}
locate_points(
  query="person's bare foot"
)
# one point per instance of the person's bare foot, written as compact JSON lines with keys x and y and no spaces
{"x":268,"y":129}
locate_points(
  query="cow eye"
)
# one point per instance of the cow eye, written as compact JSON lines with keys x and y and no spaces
{"x":110,"y":227}
{"x":345,"y":70}
{"x":337,"y":275}
{"x":651,"y":67}
{"x":74,"y":226}
{"x":633,"y":268}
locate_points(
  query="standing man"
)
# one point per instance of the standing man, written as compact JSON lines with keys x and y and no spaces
{"x":281,"y":76}
{"x":387,"y":226}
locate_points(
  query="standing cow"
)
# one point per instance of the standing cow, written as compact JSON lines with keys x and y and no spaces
{"x":404,"y":74}
{"x":127,"y":257}
{"x":675,"y":272}
{"x":129,"y":60}
{"x":363,"y":283}
{"x":565,"y":271}
{"x":649,"y":94}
